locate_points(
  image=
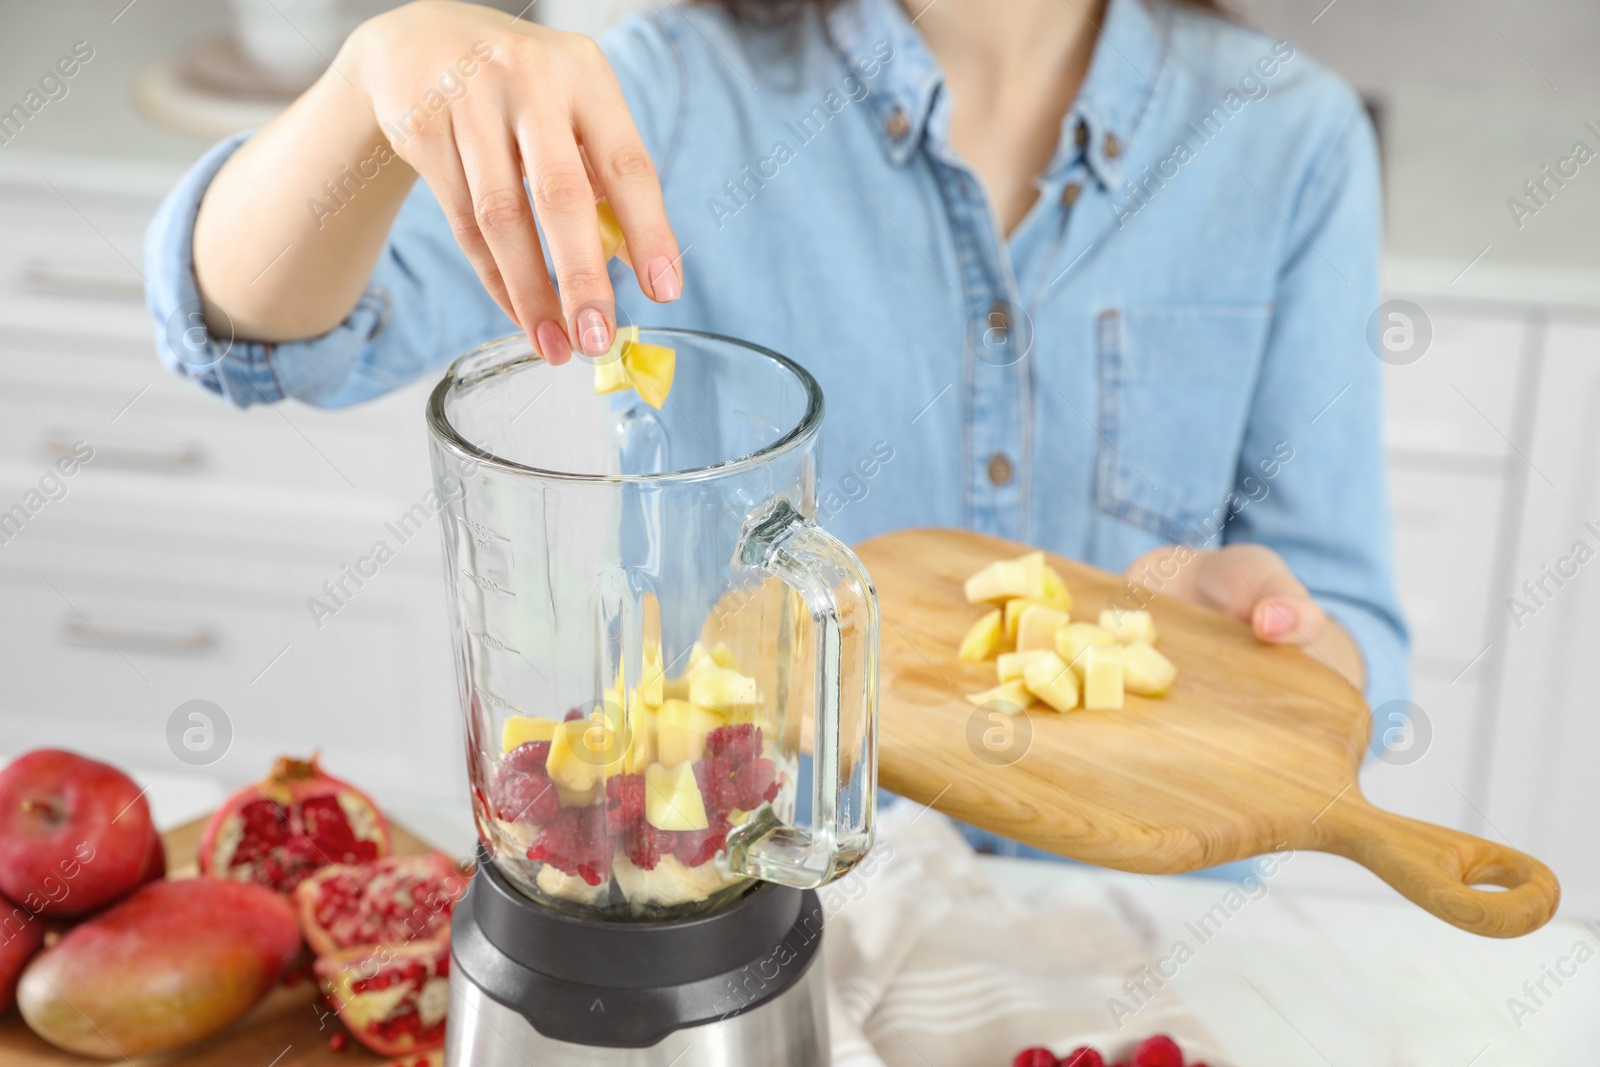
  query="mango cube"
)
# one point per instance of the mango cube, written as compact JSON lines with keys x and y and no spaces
{"x":1146,"y":671}
{"x":610,"y":229}
{"x":1012,"y":697}
{"x":1013,"y":665}
{"x":983,"y":639}
{"x":1017,"y":605}
{"x":1000,"y":580}
{"x":681,"y":729}
{"x":653,"y":677}
{"x":610,"y":376}
{"x":582,"y":753}
{"x":722,"y":687}
{"x":1037,"y":628}
{"x":1102,"y":677}
{"x":1050,"y":679}
{"x":1052,"y":587}
{"x":650,"y":369}
{"x":1129,"y":626}
{"x":672,"y":799}
{"x":1074,"y":637}
{"x":520,"y":729}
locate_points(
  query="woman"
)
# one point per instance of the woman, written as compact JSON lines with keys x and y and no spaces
{"x":1093,"y":275}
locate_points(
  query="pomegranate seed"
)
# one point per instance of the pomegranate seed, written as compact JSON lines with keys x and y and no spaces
{"x":336,"y":1043}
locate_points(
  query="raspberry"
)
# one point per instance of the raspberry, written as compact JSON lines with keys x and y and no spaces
{"x":337,"y":1042}
{"x":646,"y":845}
{"x":695,"y":847}
{"x":1034,"y":1057}
{"x":575,"y":842}
{"x":524,"y":797}
{"x":1083,"y":1057}
{"x":714,"y":775}
{"x":624,"y":802}
{"x":528,"y":757}
{"x":1158,"y":1051}
{"x":738,"y":744}
{"x":754,"y":783}
{"x":574,"y":714}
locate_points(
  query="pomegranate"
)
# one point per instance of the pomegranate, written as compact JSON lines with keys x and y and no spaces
{"x":21,"y":935}
{"x":393,"y":997}
{"x":75,"y":834}
{"x":394,"y":899}
{"x":171,"y":964}
{"x":293,"y":822}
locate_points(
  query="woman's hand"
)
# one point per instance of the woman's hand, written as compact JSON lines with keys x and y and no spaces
{"x":1251,"y":583}
{"x":524,"y":101}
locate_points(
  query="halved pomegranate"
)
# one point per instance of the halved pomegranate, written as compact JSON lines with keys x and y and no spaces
{"x":392,"y":998}
{"x":394,"y":899}
{"x":290,"y":824}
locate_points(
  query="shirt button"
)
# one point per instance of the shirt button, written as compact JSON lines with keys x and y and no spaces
{"x":1069,"y":195}
{"x":899,"y":123}
{"x":1113,"y":146}
{"x":1000,"y":470}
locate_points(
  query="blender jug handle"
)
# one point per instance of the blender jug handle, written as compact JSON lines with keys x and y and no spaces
{"x":844,"y":606}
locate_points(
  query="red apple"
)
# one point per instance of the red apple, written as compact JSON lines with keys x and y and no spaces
{"x":21,"y":935}
{"x":75,"y":834}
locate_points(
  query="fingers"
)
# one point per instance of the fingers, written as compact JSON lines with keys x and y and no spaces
{"x":1253,"y":584}
{"x":1287,"y":620}
{"x":563,"y":199}
{"x":626,"y":175}
{"x":501,"y":215}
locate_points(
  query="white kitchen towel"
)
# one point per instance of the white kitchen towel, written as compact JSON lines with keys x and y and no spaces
{"x":929,"y":966}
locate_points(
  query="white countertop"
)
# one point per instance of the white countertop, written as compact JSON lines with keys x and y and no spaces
{"x":1295,"y":976}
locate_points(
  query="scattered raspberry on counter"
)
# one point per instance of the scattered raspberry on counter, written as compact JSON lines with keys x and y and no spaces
{"x":1083,"y":1057}
{"x":1035,"y":1057}
{"x":1156,"y":1051}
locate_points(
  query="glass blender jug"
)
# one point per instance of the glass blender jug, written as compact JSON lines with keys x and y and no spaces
{"x":648,"y":631}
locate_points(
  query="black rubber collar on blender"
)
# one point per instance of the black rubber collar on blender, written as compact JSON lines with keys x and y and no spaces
{"x":655,"y":977}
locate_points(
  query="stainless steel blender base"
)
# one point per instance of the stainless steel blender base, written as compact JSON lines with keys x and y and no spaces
{"x":791,"y":1029}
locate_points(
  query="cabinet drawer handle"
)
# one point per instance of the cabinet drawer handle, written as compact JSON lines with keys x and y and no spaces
{"x":182,"y":458}
{"x":199,"y":642}
{"x":76,"y":283}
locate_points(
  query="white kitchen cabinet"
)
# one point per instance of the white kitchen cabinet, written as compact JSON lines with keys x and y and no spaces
{"x":1542,"y":737}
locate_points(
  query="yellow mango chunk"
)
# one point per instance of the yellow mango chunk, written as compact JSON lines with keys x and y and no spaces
{"x":641,"y":742}
{"x":650,"y":369}
{"x":983,"y":639}
{"x":582,"y":753}
{"x":1102,"y":677}
{"x":1146,"y":671}
{"x":722,"y":688}
{"x":1012,"y":698}
{"x":1037,"y":628}
{"x":1074,"y":637}
{"x":610,"y":376}
{"x":1013,"y":665}
{"x":1017,"y":605}
{"x":1000,"y":580}
{"x":653,"y":683}
{"x":610,"y":229}
{"x":1129,"y":626}
{"x":520,"y":729}
{"x":1052,"y":586}
{"x":681,"y":729}
{"x":1050,"y":679}
{"x":672,"y":799}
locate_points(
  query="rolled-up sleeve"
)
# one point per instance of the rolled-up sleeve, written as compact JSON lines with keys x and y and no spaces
{"x":1320,"y":400}
{"x":422,"y":307}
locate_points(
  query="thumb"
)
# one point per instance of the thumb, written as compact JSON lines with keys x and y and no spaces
{"x":1287,"y":620}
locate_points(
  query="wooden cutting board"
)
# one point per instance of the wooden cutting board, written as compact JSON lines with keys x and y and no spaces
{"x":289,"y":1028}
{"x":1256,"y":748}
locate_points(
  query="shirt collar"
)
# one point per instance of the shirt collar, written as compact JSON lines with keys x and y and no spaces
{"x":1123,"y":73}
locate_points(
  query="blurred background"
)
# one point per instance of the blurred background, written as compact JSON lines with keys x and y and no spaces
{"x":177,"y":564}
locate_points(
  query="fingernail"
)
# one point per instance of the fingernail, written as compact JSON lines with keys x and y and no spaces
{"x":593,"y":333}
{"x":552,"y":342}
{"x":663,"y":275}
{"x":1274,"y":619}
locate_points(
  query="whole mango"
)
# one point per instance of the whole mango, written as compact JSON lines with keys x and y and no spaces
{"x":173,"y":963}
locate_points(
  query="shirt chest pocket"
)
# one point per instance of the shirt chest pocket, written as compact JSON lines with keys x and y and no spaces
{"x":1175,"y":389}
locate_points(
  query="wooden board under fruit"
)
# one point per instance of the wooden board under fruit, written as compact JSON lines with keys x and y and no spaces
{"x":1255,"y":749}
{"x":289,"y":1028}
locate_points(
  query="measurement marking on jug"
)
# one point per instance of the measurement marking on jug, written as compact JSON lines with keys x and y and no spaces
{"x":488,"y":585}
{"x":495,"y":642}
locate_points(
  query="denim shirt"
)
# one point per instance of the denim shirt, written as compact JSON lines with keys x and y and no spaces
{"x":1168,"y":348}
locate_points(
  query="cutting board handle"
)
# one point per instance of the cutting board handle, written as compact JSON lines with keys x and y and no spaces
{"x":1441,"y":870}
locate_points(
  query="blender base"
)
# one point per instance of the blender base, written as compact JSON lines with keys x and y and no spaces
{"x":531,"y":985}
{"x":791,"y":1029}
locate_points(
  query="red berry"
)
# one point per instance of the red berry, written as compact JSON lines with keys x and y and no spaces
{"x":695,"y":847}
{"x":1035,"y":1057}
{"x":714,"y":775}
{"x":573,"y":715}
{"x":752,"y":782}
{"x":575,"y":842}
{"x":1158,"y":1051}
{"x":624,"y":802}
{"x":738,"y":744}
{"x":524,"y":797}
{"x":1083,"y":1057}
{"x":646,"y":845}
{"x":528,"y":757}
{"x":336,"y":1043}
